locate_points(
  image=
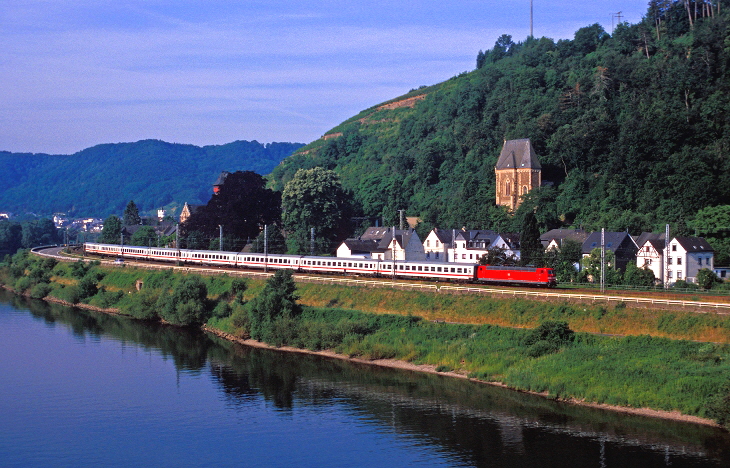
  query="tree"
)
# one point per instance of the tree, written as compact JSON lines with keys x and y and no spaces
{"x":531,"y":251}
{"x":714,"y":224}
{"x":131,"y":214}
{"x":187,"y":305}
{"x":242,"y":206}
{"x":592,"y":267}
{"x":274,"y":309}
{"x":314,"y":198}
{"x":11,"y":236}
{"x":564,"y":261}
{"x":707,"y":278}
{"x":112,"y":230}
{"x":145,"y":235}
{"x":635,"y":276}
{"x":276,"y":244}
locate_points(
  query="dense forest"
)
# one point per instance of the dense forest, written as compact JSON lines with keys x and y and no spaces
{"x":101,"y":180}
{"x":632,"y":129}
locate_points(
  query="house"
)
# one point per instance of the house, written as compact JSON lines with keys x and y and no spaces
{"x":553,"y":239}
{"x":651,"y":256}
{"x":687,"y":256}
{"x":470,"y":245}
{"x":381,"y":243}
{"x":437,"y":244}
{"x":187,"y":211}
{"x":722,"y":272}
{"x":517,"y":172}
{"x":357,"y":248}
{"x":620,"y":243}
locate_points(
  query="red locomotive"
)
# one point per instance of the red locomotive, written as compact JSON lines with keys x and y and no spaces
{"x":516,"y":275}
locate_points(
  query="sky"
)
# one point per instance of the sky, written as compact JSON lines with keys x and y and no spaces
{"x":78,"y":73}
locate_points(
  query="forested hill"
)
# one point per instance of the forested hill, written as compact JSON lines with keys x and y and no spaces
{"x":632,"y":129}
{"x":101,"y":180}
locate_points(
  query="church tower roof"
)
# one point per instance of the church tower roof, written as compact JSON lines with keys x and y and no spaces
{"x":518,"y":154}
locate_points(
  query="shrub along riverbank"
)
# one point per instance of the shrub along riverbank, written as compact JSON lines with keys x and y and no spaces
{"x":547,"y":356}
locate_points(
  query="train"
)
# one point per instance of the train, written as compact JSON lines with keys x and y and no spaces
{"x":404,"y":269}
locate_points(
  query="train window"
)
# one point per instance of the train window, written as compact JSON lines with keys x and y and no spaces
{"x":400,"y":267}
{"x":420,"y":268}
{"x":458,"y":270}
{"x":408,"y":268}
{"x":349,"y":265}
{"x":438,"y":269}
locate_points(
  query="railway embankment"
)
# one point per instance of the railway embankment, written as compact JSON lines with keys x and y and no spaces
{"x":673,"y":363}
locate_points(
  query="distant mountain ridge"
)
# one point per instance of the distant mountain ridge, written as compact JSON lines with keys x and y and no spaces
{"x":100,"y":180}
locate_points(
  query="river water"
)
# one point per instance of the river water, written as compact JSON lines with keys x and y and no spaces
{"x":85,"y":389}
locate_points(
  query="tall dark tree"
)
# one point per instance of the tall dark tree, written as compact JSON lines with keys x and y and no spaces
{"x":112,"y":230}
{"x":131,"y":214}
{"x":242,"y":206}
{"x":531,"y":251}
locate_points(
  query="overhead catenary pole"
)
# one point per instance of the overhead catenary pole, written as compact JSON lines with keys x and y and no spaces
{"x":220,"y":237}
{"x":400,"y":212}
{"x":531,"y":19}
{"x":311,"y":241}
{"x":666,"y":256}
{"x":603,"y":259}
{"x":266,"y":248}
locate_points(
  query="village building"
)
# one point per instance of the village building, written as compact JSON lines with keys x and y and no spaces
{"x":554,"y":239}
{"x":620,"y":243}
{"x":686,"y":257}
{"x":384,"y":243}
{"x":517,"y":172}
{"x":187,"y":211}
{"x":437,"y":244}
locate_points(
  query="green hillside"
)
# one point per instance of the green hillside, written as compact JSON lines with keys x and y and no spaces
{"x":632,"y":129}
{"x":101,"y":180}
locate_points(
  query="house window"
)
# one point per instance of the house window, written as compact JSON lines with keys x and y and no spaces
{"x":669,"y":274}
{"x":674,"y":247}
{"x":524,"y":189}
{"x":428,"y":255}
{"x":647,"y":262}
{"x":507,"y":190}
{"x":437,"y":255}
{"x":679,"y":274}
{"x":669,"y":260}
{"x":679,"y":260}
{"x":463,"y":256}
{"x":428,"y":243}
{"x":699,"y":261}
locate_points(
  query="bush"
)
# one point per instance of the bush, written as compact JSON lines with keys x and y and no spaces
{"x":707,"y":278}
{"x":24,"y":283}
{"x":40,"y":290}
{"x":556,"y":333}
{"x":718,"y":407}
{"x":188,"y":303}
{"x":142,"y":305}
{"x":69,"y":294}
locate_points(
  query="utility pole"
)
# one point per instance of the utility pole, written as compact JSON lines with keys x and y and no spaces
{"x":603,"y":259}
{"x":666,"y":256}
{"x":311,"y":241}
{"x":615,"y":16}
{"x":220,"y":238}
{"x":400,"y":212}
{"x":531,"y":19}
{"x":266,"y":249}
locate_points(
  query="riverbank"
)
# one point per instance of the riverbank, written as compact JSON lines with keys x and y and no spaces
{"x":431,"y":369}
{"x":676,"y":379}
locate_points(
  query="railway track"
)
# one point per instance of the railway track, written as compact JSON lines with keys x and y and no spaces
{"x":718,"y":308}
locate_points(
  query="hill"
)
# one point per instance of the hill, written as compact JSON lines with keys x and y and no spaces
{"x":100,"y":180}
{"x":632,"y":129}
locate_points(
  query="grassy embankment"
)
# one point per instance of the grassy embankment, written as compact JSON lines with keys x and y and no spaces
{"x":487,"y":343}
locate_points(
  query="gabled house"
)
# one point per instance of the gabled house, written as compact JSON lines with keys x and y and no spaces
{"x":651,"y":254}
{"x":470,"y":245}
{"x":553,"y":239}
{"x":187,"y":211}
{"x":381,"y":243}
{"x":687,"y":256}
{"x":437,"y":244}
{"x":620,"y":243}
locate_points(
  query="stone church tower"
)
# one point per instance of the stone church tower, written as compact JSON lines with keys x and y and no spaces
{"x":518,"y":171}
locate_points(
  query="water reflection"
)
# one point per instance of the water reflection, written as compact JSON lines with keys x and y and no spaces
{"x":474,"y":424}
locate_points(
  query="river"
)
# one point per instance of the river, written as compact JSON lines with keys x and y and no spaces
{"x":81,"y":389}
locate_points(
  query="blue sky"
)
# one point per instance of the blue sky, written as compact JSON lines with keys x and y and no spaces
{"x":79,"y":73}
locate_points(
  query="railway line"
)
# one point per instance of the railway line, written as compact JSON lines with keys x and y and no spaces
{"x":719,"y":308}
